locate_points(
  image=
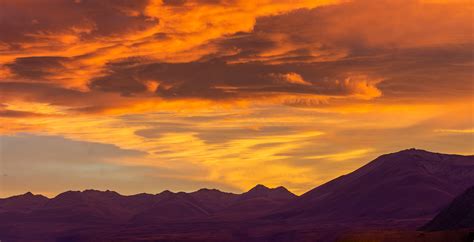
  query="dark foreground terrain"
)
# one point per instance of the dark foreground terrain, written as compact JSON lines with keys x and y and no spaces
{"x":411,"y":195}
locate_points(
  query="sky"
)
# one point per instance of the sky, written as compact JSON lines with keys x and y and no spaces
{"x":149,"y":95}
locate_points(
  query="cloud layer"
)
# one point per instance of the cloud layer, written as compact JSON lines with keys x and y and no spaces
{"x":228,"y":87}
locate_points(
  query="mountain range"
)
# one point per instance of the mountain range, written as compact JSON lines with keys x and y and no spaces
{"x":401,"y":191}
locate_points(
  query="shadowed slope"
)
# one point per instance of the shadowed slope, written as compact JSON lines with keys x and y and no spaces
{"x":458,"y":214}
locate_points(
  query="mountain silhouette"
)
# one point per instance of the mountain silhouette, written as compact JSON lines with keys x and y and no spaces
{"x":257,"y":201}
{"x":22,"y":203}
{"x":410,"y":185}
{"x":402,"y":190}
{"x":91,"y":206}
{"x":260,"y":191}
{"x":458,"y":214}
{"x":206,"y":203}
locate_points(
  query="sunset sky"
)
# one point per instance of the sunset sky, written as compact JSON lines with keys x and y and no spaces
{"x":147,"y":95}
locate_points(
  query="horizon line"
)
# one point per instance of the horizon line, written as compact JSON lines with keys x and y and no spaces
{"x":207,"y":188}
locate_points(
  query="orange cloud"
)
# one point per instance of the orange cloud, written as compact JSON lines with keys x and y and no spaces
{"x":291,"y":77}
{"x":225,"y":88}
{"x":360,"y":87}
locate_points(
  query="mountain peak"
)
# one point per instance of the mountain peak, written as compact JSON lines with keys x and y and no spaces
{"x":412,"y":150}
{"x":384,"y":180}
{"x":279,"y":193}
{"x":207,"y":190}
{"x":93,"y":191}
{"x":166,"y":192}
{"x":259,"y":188}
{"x":29,"y":194}
{"x":415,"y":151}
{"x":418,"y":157}
{"x":282,"y":189}
{"x":421,"y":152}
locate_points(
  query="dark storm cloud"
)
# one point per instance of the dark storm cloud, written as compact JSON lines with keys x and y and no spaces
{"x":174,"y":2}
{"x":18,"y":114}
{"x":39,"y":92}
{"x":180,"y":3}
{"x":324,"y":46}
{"x":126,"y":84}
{"x":360,"y":28}
{"x":36,"y":68}
{"x":405,"y":72}
{"x":359,"y":48}
{"x":29,"y":20}
{"x":123,"y":77}
{"x":47,"y":93}
{"x":220,"y":80}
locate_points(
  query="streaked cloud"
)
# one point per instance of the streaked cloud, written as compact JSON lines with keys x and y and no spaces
{"x":456,"y":131}
{"x":352,"y":154}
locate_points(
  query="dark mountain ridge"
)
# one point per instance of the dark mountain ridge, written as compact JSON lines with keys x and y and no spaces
{"x":399,"y":190}
{"x":94,"y":205}
{"x":22,"y":203}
